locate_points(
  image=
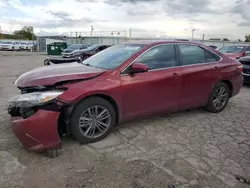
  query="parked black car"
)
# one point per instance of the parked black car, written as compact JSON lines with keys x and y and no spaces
{"x":213,"y":46}
{"x":245,"y":61}
{"x":77,"y":55}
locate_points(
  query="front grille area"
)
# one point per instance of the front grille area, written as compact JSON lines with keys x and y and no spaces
{"x":246,"y":71}
{"x":247,"y":79}
{"x":244,"y":62}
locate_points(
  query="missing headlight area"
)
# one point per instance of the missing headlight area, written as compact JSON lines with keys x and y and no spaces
{"x":26,"y":112}
{"x":22,"y":112}
{"x":33,"y":99}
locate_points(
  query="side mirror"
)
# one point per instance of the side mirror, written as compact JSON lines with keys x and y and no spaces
{"x":138,"y":68}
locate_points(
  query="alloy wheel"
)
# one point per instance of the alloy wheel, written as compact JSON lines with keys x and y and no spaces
{"x":95,"y":121}
{"x":220,"y":97}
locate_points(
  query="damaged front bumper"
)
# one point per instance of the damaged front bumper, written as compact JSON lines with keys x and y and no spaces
{"x":38,"y":132}
{"x":37,"y":125}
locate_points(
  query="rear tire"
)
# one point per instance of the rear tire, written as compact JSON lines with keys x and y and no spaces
{"x":87,"y":125}
{"x":218,"y":99}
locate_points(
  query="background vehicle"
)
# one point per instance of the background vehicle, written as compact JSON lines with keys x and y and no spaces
{"x":125,"y":81}
{"x":59,"y":60}
{"x":245,"y":61}
{"x":78,"y":55}
{"x":213,"y":46}
{"x":86,"y":53}
{"x":236,"y":51}
{"x":74,"y":47}
{"x":24,"y":46}
{"x":9,"y":46}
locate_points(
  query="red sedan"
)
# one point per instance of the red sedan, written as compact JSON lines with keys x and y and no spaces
{"x":236,"y":51}
{"x":126,"y":81}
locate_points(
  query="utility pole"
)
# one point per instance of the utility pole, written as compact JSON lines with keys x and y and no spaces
{"x":112,"y":33}
{"x":0,"y":32}
{"x":130,"y":33}
{"x":203,"y":38}
{"x":91,"y":33}
{"x":33,"y":44}
{"x":193,"y":30}
{"x":76,"y":37}
{"x":125,"y":35}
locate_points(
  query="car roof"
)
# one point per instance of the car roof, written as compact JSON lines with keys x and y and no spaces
{"x":156,"y":42}
{"x":237,"y":45}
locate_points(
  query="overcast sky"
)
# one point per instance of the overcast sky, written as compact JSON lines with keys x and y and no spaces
{"x":173,"y":18}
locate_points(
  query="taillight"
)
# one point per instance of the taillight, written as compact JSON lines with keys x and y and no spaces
{"x":240,"y":68}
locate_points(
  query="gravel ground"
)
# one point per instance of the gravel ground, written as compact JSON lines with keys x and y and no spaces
{"x":188,"y":149}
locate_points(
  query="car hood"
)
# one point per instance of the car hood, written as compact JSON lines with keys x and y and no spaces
{"x":233,"y":55}
{"x":83,"y":51}
{"x":68,"y":50}
{"x":245,"y":61}
{"x":50,"y":75}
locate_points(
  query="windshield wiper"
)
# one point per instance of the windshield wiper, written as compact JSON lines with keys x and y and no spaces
{"x":86,"y":64}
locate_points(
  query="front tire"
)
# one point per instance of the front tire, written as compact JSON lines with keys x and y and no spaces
{"x":46,"y":62}
{"x":92,"y":120}
{"x":218,"y":99}
{"x":52,"y":153}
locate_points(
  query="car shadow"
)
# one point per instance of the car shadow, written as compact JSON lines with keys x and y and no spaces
{"x":246,"y":85}
{"x":153,"y":119}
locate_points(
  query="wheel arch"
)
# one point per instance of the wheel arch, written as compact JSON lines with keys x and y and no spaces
{"x":229,"y":84}
{"x":109,"y":99}
{"x":66,"y":112}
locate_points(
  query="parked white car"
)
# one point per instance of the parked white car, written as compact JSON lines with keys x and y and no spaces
{"x":24,"y":46}
{"x":9,"y":46}
{"x":29,"y":46}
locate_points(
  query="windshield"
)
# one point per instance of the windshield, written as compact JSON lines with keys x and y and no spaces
{"x":113,"y":56}
{"x":74,"y":46}
{"x":93,"y":47}
{"x":7,"y":43}
{"x":232,"y":49}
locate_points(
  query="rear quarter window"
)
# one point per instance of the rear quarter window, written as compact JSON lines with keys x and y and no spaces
{"x":194,"y":54}
{"x":191,"y":54}
{"x":210,"y":56}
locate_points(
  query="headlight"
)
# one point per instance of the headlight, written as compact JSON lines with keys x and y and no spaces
{"x":76,"y":53}
{"x":33,"y":99}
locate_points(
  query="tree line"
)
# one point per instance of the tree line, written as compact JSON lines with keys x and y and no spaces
{"x":26,"y":33}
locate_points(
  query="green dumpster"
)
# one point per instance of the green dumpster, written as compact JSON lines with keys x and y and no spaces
{"x":56,"y":48}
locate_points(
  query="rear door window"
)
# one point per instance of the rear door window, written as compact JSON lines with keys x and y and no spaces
{"x":192,"y":54}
